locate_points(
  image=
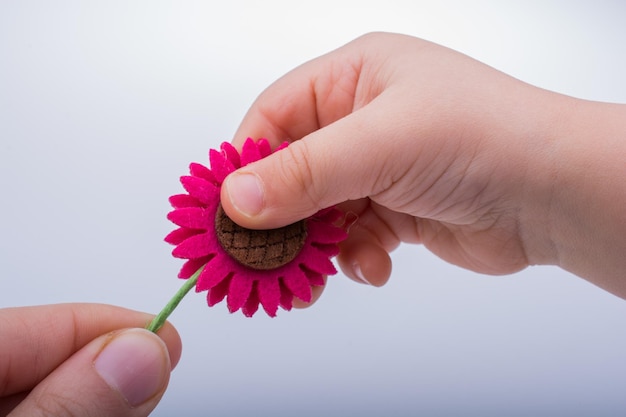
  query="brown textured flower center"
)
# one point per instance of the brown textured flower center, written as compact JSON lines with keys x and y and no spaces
{"x":259,"y":249}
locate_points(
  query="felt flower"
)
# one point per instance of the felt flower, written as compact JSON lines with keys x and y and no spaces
{"x":247,"y":267}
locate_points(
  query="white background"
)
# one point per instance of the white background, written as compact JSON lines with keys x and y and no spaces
{"x":104,"y":104}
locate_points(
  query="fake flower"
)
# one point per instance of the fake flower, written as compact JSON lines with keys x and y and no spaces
{"x":247,"y":267}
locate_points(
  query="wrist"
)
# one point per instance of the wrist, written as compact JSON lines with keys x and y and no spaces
{"x":578,"y":204}
{"x":543,"y":177}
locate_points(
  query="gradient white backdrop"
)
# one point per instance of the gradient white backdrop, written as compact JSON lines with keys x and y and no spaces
{"x":104,"y":104}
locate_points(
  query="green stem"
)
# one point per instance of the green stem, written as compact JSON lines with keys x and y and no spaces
{"x":160,"y":319}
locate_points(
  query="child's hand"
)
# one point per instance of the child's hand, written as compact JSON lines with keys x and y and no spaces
{"x":426,"y":145}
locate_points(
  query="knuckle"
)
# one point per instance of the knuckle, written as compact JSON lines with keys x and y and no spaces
{"x":53,"y":404}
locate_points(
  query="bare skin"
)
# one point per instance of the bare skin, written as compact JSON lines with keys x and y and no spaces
{"x":58,"y":360}
{"x":426,"y":145}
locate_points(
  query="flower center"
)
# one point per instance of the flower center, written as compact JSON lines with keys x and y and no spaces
{"x":259,"y":249}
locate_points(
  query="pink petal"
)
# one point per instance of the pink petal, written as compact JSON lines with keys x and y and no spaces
{"x":329,"y":215}
{"x":199,"y":188}
{"x":282,"y":146}
{"x":250,"y":152}
{"x":286,"y":297}
{"x":191,"y":267}
{"x":213,"y":273}
{"x":264,"y":148}
{"x":184,"y":200}
{"x":314,"y":278}
{"x":231,"y":154}
{"x":190,"y":217}
{"x":329,"y":250}
{"x":269,"y":294}
{"x":299,"y":285}
{"x":325,"y":267}
{"x":220,"y":166}
{"x":252,"y":305}
{"x":194,"y":247}
{"x":317,"y":261}
{"x":217,"y":293}
{"x":321,"y":232}
{"x":176,"y":237}
{"x":238,"y":291}
{"x":199,"y":170}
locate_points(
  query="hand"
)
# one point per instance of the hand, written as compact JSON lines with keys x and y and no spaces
{"x":82,"y":360}
{"x":422,"y":144}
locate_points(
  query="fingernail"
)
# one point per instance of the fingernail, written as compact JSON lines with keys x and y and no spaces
{"x":356,"y":268}
{"x":135,"y":363}
{"x":245,"y":192}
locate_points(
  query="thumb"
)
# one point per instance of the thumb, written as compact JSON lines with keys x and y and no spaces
{"x":120,"y":374}
{"x":337,"y":163}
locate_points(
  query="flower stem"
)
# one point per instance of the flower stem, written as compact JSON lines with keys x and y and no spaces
{"x":160,"y":319}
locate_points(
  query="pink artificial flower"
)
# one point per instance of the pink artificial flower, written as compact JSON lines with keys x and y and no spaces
{"x":248,"y":267}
